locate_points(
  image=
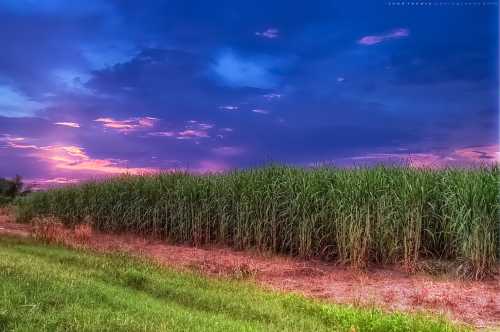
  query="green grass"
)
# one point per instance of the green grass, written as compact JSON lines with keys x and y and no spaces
{"x":354,"y":216}
{"x":48,"y":288}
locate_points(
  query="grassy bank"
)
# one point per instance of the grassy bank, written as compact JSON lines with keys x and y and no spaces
{"x":44,"y":288}
{"x":355,"y":216}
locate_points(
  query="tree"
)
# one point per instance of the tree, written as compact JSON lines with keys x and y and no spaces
{"x":10,"y":189}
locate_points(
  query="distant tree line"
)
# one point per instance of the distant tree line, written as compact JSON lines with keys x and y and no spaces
{"x":12,"y":188}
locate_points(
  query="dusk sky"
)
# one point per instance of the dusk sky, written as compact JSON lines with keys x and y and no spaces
{"x":92,"y":88}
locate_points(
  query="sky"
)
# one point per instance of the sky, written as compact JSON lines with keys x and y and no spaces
{"x":98,"y":88}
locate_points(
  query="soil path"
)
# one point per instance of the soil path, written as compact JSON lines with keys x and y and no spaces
{"x":475,"y":303}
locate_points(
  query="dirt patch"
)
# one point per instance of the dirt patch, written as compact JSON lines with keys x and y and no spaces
{"x":472,"y":302}
{"x":50,"y":230}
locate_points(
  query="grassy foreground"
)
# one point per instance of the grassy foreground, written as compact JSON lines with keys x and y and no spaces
{"x":355,"y":216}
{"x":47,"y":288}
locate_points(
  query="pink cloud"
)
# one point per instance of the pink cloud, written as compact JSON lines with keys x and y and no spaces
{"x":128,"y":125}
{"x":68,"y":124}
{"x":270,"y":33}
{"x":16,"y":142}
{"x":108,"y":166}
{"x":488,"y":154}
{"x":58,"y":180}
{"x":72,"y":158}
{"x":192,"y":133}
{"x":371,"y":40}
{"x":376,"y":39}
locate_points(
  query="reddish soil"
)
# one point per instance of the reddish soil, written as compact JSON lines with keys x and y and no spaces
{"x":472,"y":302}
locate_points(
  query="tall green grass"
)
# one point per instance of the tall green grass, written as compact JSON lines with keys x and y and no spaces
{"x":355,"y":216}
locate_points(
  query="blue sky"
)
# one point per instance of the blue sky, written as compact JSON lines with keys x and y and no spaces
{"x":92,"y":88}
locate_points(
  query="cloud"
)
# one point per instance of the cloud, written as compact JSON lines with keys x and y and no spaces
{"x":72,"y":158}
{"x":260,"y":111}
{"x":376,"y":39}
{"x":15,"y":104}
{"x":192,"y":133}
{"x":102,"y":55}
{"x":192,"y":130}
{"x":272,"y":96}
{"x":72,"y":81}
{"x":193,"y":124}
{"x":269,"y":33}
{"x":163,"y":134}
{"x":229,"y":108}
{"x":236,"y":71}
{"x":65,"y":164}
{"x":68,"y":124}
{"x":488,"y":154}
{"x":16,"y":142}
{"x":128,"y":125}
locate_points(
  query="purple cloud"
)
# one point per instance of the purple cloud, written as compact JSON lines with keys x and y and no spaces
{"x":260,"y":111}
{"x":68,"y":124}
{"x":127,"y":125}
{"x":192,"y":133}
{"x":269,"y":33}
{"x":272,"y":96}
{"x":437,"y":159}
{"x":229,"y":108}
{"x":376,"y":39}
{"x":162,"y":134}
{"x":192,"y":130}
